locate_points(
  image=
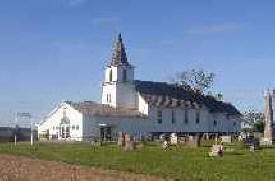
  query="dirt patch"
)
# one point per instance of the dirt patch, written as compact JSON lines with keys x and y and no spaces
{"x":22,"y":168}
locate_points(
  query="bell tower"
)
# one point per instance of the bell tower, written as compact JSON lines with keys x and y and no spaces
{"x":118,"y":86}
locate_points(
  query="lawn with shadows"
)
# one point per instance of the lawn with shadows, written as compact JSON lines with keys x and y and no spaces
{"x":177,"y":163}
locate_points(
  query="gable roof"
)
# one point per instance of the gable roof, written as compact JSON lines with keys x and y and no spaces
{"x":93,"y":108}
{"x":172,"y":95}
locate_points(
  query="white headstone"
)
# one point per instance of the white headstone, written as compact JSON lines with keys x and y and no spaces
{"x":174,"y":139}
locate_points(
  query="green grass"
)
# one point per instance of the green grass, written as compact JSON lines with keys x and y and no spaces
{"x":177,"y":163}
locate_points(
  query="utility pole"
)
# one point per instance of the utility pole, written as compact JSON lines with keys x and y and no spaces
{"x":31,"y":132}
{"x":15,"y":138}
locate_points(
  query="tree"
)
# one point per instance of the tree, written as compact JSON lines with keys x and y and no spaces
{"x":200,"y":79}
{"x":259,"y":126}
{"x":253,"y":116}
{"x":256,"y":119}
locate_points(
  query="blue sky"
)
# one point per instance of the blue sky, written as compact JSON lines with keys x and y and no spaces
{"x":54,"y":50}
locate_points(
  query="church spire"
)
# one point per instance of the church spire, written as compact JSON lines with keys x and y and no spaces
{"x":119,"y":53}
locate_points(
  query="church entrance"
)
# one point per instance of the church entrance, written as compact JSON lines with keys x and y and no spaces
{"x":65,"y":126}
{"x":65,"y":131}
{"x":105,"y":132}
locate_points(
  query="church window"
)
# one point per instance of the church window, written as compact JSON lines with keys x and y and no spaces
{"x":159,"y":116}
{"x":77,"y":127}
{"x":73,"y":127}
{"x":63,"y":132}
{"x":124,"y":75}
{"x":67,"y":132}
{"x":109,"y":98}
{"x":186,"y":115}
{"x":197,"y":116}
{"x":234,"y":124}
{"x":227,"y":116}
{"x":215,"y":123}
{"x":173,"y":117}
{"x":111,"y":75}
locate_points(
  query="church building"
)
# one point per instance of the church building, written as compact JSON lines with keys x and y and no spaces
{"x":139,"y":108}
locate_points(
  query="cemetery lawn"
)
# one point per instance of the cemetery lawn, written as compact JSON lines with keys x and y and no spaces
{"x":178,"y":163}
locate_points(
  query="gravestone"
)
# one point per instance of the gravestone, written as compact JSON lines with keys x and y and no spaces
{"x":121,"y":139}
{"x":216,"y":150}
{"x":129,"y":143}
{"x":173,"y":139}
{"x":165,"y":145}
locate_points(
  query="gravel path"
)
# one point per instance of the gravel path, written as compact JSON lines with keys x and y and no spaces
{"x":22,"y":168}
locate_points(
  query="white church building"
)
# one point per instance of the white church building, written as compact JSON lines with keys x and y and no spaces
{"x":138,"y":108}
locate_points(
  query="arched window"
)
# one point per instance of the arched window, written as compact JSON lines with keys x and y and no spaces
{"x":111,"y":76}
{"x":124,"y":75}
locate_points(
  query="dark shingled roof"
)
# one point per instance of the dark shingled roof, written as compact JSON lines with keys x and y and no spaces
{"x":119,"y":53}
{"x":93,"y":108}
{"x":172,"y":95}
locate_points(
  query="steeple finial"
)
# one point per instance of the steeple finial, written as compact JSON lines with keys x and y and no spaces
{"x":119,"y":53}
{"x":119,"y":37}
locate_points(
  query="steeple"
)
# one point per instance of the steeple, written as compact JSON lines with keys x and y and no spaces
{"x":119,"y":53}
{"x":118,"y":85}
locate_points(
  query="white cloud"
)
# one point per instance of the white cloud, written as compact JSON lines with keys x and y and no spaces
{"x":217,"y":28}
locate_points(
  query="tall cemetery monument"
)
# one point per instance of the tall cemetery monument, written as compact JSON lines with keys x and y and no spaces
{"x":269,"y":129}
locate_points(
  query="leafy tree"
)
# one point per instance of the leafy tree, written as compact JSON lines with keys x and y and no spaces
{"x":200,"y":79}
{"x":248,"y":130}
{"x":253,"y":116}
{"x":259,"y":126}
{"x":256,"y":119}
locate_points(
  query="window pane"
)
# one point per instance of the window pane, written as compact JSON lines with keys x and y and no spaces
{"x":159,"y":117}
{"x":124,"y":75}
{"x":197,"y":116}
{"x":186,"y":116}
{"x":63,"y":132}
{"x":173,"y":117}
{"x":67,"y":132}
{"x":111,"y":76}
{"x":215,"y":123}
